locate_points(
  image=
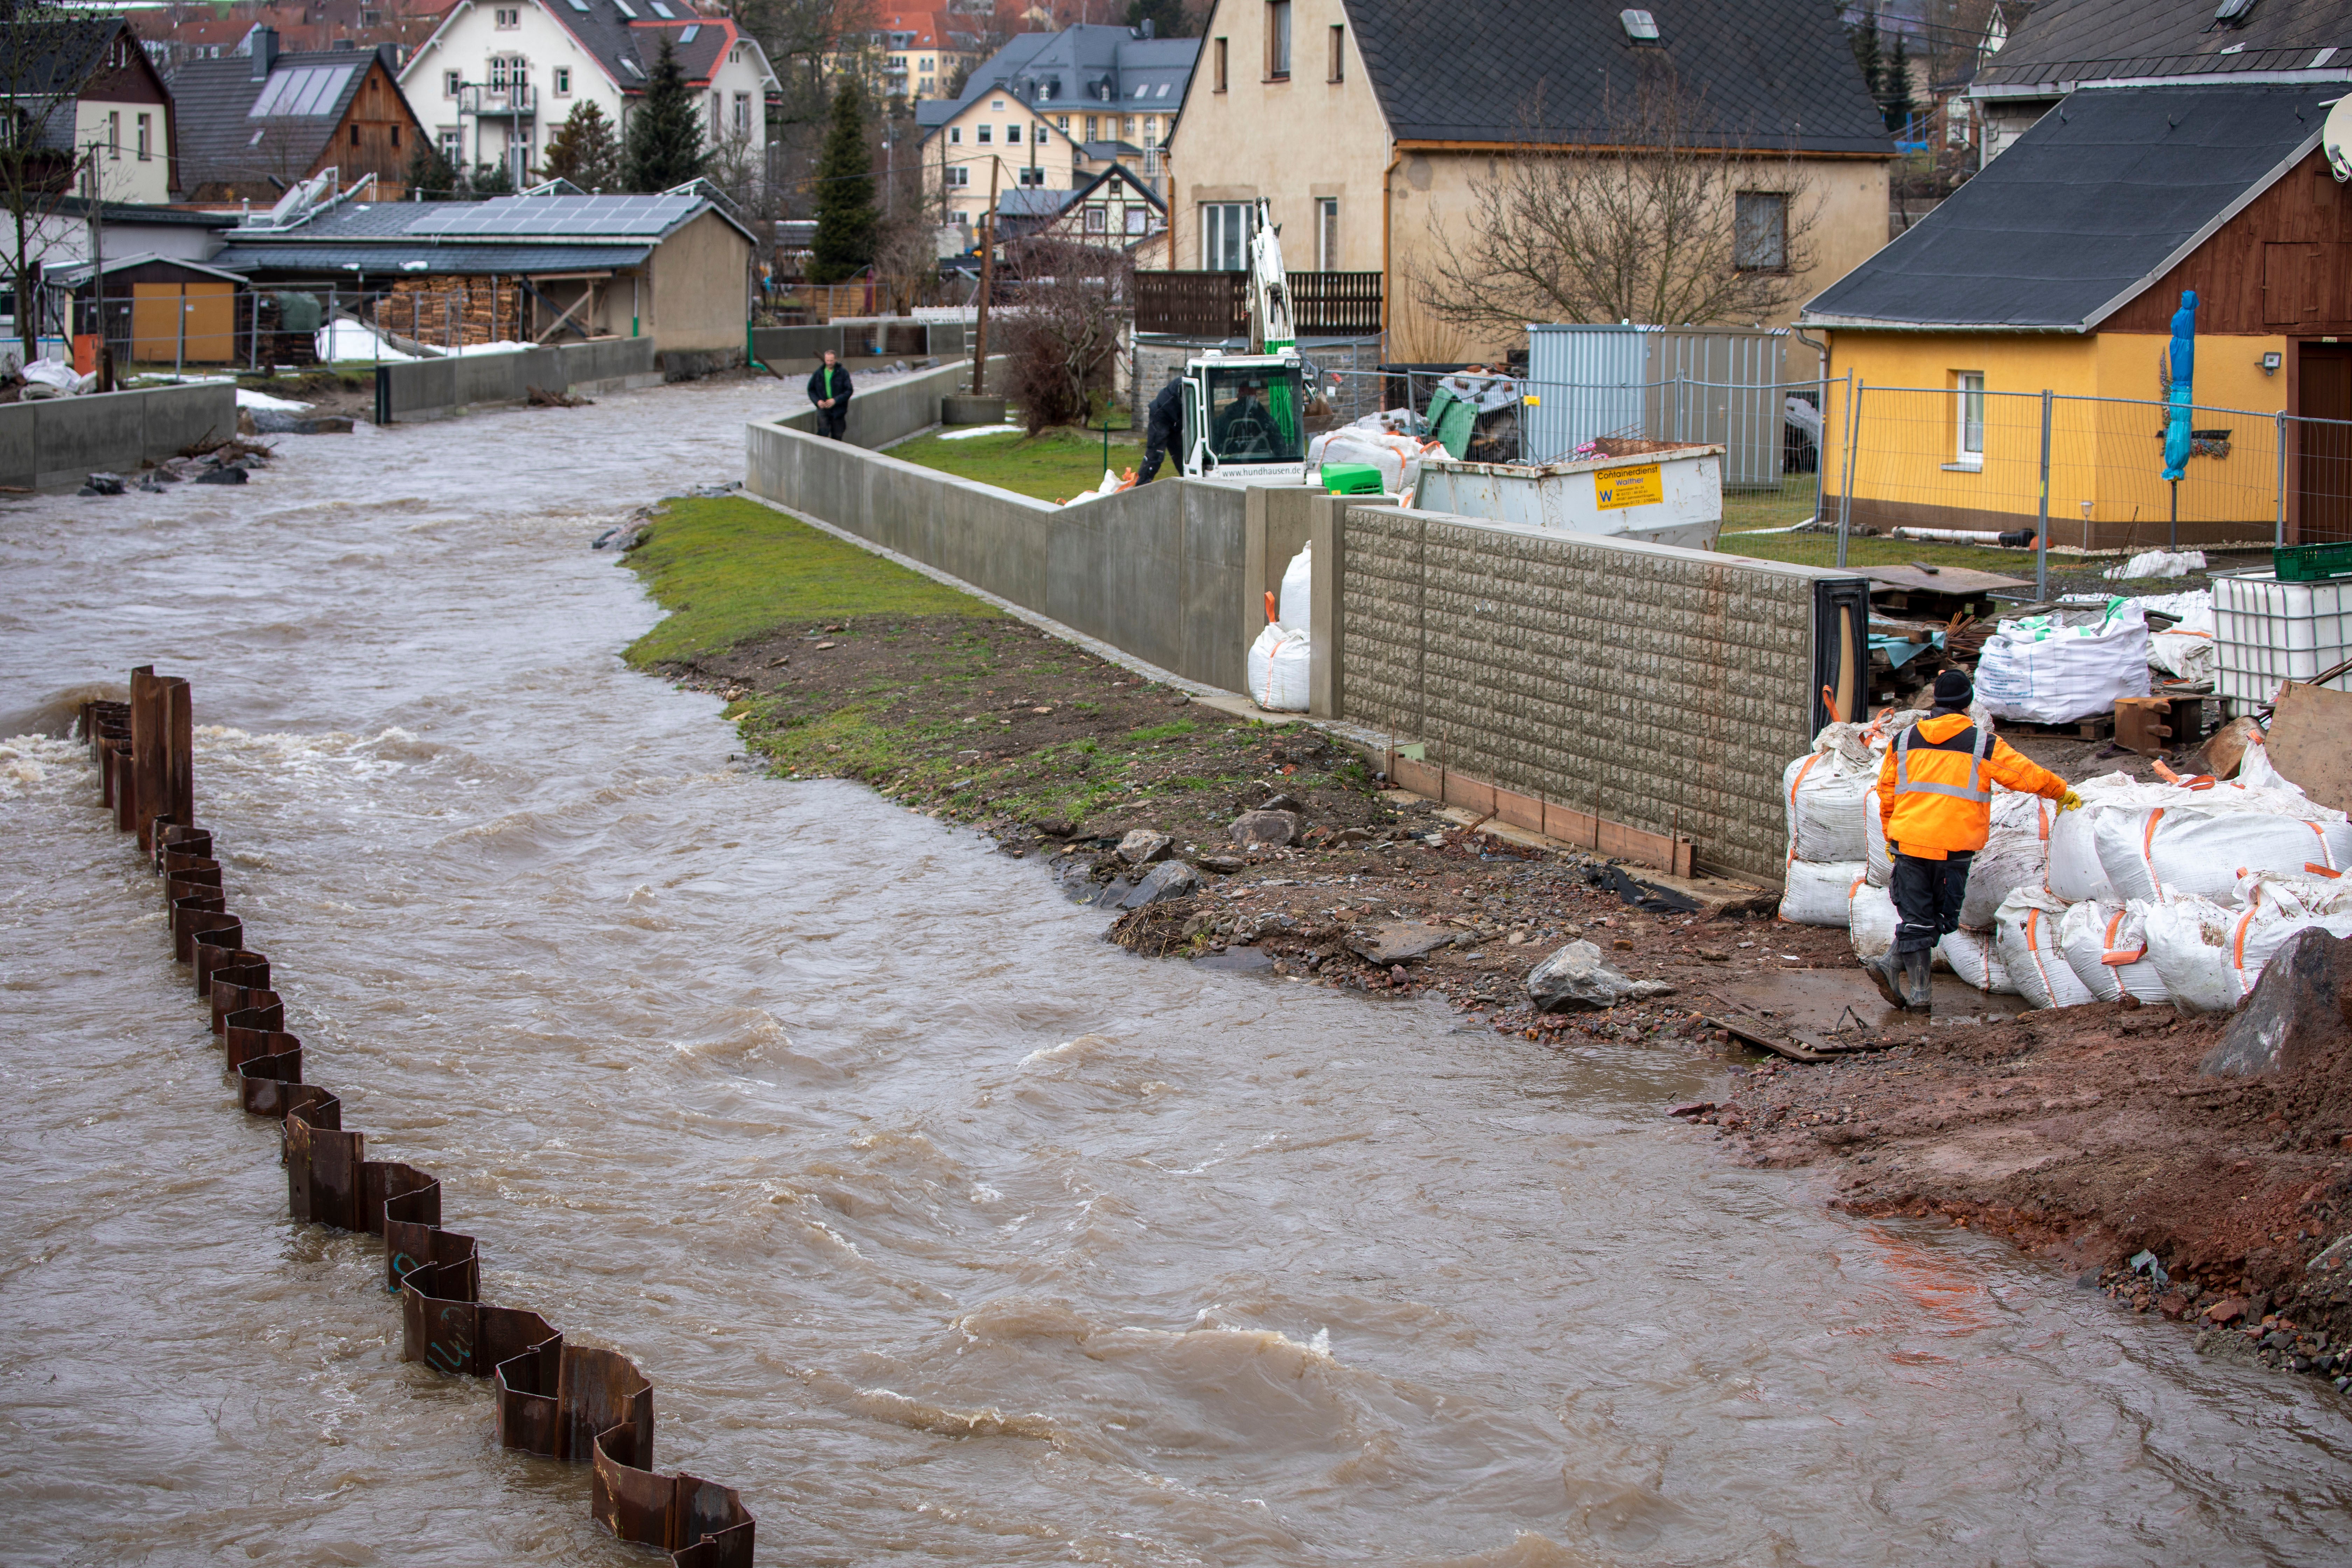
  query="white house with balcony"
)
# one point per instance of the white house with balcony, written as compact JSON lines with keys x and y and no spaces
{"x":497,"y":79}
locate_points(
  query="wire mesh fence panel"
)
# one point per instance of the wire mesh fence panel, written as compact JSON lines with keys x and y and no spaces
{"x":2109,"y":492}
{"x":2318,"y":482}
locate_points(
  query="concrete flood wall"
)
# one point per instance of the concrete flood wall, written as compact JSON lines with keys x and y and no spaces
{"x":54,"y":442}
{"x":861,"y":344}
{"x":1157,"y":572}
{"x":429,"y":389}
{"x":1652,"y":687}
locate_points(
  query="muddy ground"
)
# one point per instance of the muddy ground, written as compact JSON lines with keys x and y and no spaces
{"x":2085,"y":1134}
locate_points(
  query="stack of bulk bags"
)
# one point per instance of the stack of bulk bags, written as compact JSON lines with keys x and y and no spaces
{"x":2066,"y":664}
{"x":2107,"y":947}
{"x":2028,"y":933}
{"x":1828,"y":790}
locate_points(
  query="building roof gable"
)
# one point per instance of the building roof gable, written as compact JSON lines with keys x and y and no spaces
{"x":1758,"y":72}
{"x":2061,"y":43}
{"x":232,"y":127}
{"x":1080,"y":70}
{"x":2102,"y":197}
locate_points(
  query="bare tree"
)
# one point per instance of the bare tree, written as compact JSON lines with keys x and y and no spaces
{"x":1070,"y":308}
{"x":46,"y":53}
{"x":906,"y":258}
{"x":1657,"y":216}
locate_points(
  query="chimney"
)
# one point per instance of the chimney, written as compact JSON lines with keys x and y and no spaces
{"x":264,"y":44}
{"x":1150,"y":29}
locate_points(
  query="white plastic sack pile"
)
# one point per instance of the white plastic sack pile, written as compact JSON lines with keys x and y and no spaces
{"x":1297,"y":590}
{"x":2054,"y":668}
{"x":2157,"y":564}
{"x":2107,"y":947}
{"x":1975,"y":957}
{"x":1277,"y":669}
{"x":2075,"y":873}
{"x":1398,"y":457}
{"x":1817,"y":893}
{"x":1110,"y":486}
{"x":1871,"y":920}
{"x":2028,"y":933}
{"x":1827,"y":793}
{"x":2016,"y":854}
{"x":2201,"y":849}
{"x":2211,"y":956}
{"x":55,"y":378}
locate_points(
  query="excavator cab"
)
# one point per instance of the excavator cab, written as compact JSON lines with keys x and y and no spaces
{"x":1242,"y":417}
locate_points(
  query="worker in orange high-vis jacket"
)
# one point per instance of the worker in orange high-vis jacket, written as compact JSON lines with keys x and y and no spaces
{"x":1934,"y":800}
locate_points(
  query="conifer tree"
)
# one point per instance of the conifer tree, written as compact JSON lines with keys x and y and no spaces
{"x":665,"y":141}
{"x":1898,"y":100}
{"x":846,"y":217}
{"x":429,"y":171}
{"x":1871,"y":58}
{"x":584,"y":151}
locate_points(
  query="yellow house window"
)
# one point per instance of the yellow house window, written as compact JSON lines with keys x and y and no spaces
{"x":1971,"y":386}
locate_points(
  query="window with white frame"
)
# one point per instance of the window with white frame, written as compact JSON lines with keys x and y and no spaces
{"x":1327,"y":234}
{"x":957,"y":175}
{"x":1224,"y":236}
{"x":1013,"y":135}
{"x":1031,"y":175}
{"x":450,"y":82}
{"x":955,"y":136}
{"x":563,"y":81}
{"x":1277,"y":39}
{"x":984,"y":133}
{"x":509,"y":18}
{"x":453,"y":144}
{"x":717,"y":109}
{"x":1097,"y":218}
{"x":114,"y":133}
{"x":146,"y":138}
{"x":1970,"y":443}
{"x":743,"y":115}
{"x":509,"y":71}
{"x":996,"y":106}
{"x":1139,"y":220}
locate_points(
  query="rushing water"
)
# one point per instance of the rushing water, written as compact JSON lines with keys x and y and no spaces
{"x":947,"y":1231}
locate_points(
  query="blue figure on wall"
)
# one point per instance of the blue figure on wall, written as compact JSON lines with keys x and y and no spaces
{"x":2182,"y":367}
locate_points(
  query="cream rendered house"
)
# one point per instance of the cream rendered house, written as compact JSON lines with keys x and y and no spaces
{"x":499,"y":78}
{"x":1363,"y":124}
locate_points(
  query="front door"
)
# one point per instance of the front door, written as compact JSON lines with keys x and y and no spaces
{"x":2323,"y":466}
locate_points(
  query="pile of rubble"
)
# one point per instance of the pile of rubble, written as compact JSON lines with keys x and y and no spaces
{"x":212,"y":461}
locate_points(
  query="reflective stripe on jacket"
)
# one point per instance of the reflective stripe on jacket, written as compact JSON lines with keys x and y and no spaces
{"x":1934,"y":786}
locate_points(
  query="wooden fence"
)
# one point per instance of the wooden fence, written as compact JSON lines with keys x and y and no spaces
{"x":1216,"y":304}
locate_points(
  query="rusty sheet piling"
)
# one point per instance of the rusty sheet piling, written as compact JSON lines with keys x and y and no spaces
{"x":553,"y":1399}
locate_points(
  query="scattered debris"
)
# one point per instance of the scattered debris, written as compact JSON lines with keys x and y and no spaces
{"x":540,"y":398}
{"x":1578,"y":976}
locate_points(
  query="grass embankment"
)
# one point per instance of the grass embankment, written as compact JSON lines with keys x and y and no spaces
{"x":1054,"y":465}
{"x":836,"y":663}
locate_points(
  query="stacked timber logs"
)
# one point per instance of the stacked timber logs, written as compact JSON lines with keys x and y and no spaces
{"x":563,"y":1401}
{"x":455,"y":312}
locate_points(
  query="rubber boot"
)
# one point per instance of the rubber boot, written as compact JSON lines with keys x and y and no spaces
{"x":1917,"y":991}
{"x":1884,"y":974}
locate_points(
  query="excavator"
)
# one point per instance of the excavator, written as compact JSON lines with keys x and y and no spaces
{"x":1244,"y":413}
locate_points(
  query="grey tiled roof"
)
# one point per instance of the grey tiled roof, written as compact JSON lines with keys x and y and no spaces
{"x":221,"y":139}
{"x":380,"y":264}
{"x":2088,"y":208}
{"x":506,"y":234}
{"x":2069,"y":41}
{"x":628,"y":48}
{"x":1072,"y":71}
{"x":1775,"y":72}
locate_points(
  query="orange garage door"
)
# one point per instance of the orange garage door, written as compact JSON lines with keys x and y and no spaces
{"x":161,"y":311}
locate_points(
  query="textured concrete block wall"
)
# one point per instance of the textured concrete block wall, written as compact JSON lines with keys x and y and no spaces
{"x":1157,"y":572}
{"x":1663,"y":688}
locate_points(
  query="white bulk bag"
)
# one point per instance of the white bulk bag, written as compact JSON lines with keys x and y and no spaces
{"x":1870,"y":921}
{"x":1277,"y":669}
{"x":1875,"y":853}
{"x":2201,"y":849}
{"x":2282,"y":894}
{"x":1973,"y":956}
{"x":2107,"y":947}
{"x":1298,"y":589}
{"x":2211,"y":956}
{"x":2047,"y":671}
{"x":2016,"y":854}
{"x":1816,"y":893}
{"x":1826,"y":792}
{"x":2026,"y":930}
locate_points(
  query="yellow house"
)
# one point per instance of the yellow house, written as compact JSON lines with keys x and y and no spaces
{"x":1366,"y":127}
{"x":907,"y":54}
{"x":2059,"y":269}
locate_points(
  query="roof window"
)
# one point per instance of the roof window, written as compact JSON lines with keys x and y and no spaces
{"x":1642,"y":27}
{"x":581,"y":6}
{"x":633,"y":69}
{"x":623,"y":8}
{"x":664,"y":12}
{"x":2233,"y":13}
{"x":687,"y":37}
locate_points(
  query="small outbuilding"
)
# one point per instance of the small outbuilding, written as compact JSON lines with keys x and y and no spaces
{"x":550,"y":265}
{"x":158,"y":309}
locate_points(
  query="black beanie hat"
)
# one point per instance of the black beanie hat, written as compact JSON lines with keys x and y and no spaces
{"x":1954,"y":689}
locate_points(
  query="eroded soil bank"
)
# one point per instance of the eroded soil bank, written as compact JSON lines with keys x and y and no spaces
{"x":2087,"y":1134}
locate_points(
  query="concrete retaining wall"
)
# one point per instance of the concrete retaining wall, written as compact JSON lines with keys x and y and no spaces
{"x":1158,"y":571}
{"x":430,"y":389}
{"x":55,"y":442}
{"x":1659,"y":688}
{"x":862,"y":345}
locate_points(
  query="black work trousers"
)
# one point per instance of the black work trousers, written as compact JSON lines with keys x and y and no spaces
{"x":832,"y":422}
{"x":1927,"y":896}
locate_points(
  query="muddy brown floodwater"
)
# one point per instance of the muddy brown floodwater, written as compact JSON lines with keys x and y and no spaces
{"x":948,"y":1231}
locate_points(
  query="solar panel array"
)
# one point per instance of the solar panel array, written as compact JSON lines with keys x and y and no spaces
{"x":555,"y":216}
{"x":305,"y":90}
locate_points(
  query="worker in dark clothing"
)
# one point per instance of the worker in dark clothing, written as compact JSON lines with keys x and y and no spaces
{"x":1934,"y":800}
{"x":829,"y":390}
{"x":1245,"y":431}
{"x":1163,"y":427}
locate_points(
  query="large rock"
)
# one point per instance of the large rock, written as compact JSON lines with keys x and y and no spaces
{"x":1264,"y":829}
{"x":1578,"y":976}
{"x":1143,"y":847}
{"x":1168,"y":879}
{"x":2299,"y":1011}
{"x":1397,"y":941}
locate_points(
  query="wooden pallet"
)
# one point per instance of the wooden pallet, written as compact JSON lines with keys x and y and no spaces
{"x":2098,"y":727}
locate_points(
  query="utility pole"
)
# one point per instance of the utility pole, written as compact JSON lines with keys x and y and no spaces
{"x":987,"y":284}
{"x":101,"y":362}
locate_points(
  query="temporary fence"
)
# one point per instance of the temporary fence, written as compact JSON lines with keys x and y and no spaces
{"x":255,"y":330}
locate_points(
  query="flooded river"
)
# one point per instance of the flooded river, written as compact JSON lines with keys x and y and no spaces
{"x":948,"y":1231}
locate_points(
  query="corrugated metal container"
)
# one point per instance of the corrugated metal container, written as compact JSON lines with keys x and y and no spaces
{"x":1587,"y":382}
{"x":1714,"y":386}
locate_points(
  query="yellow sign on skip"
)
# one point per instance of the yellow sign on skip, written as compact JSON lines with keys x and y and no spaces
{"x":1615,"y":488}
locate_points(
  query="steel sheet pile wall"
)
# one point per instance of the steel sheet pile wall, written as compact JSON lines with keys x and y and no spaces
{"x":554,"y":1399}
{"x":1658,"y":688}
{"x":1157,"y":572}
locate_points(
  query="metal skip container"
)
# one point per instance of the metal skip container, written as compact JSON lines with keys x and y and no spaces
{"x":1670,"y":496}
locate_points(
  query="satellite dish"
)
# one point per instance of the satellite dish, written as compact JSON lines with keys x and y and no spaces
{"x":2335,"y":138}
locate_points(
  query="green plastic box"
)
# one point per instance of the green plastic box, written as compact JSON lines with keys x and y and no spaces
{"x":1351,"y":479}
{"x":2301,"y":562}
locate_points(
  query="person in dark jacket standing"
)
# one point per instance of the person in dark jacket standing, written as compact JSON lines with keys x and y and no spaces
{"x":829,"y":390}
{"x":1163,"y":427}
